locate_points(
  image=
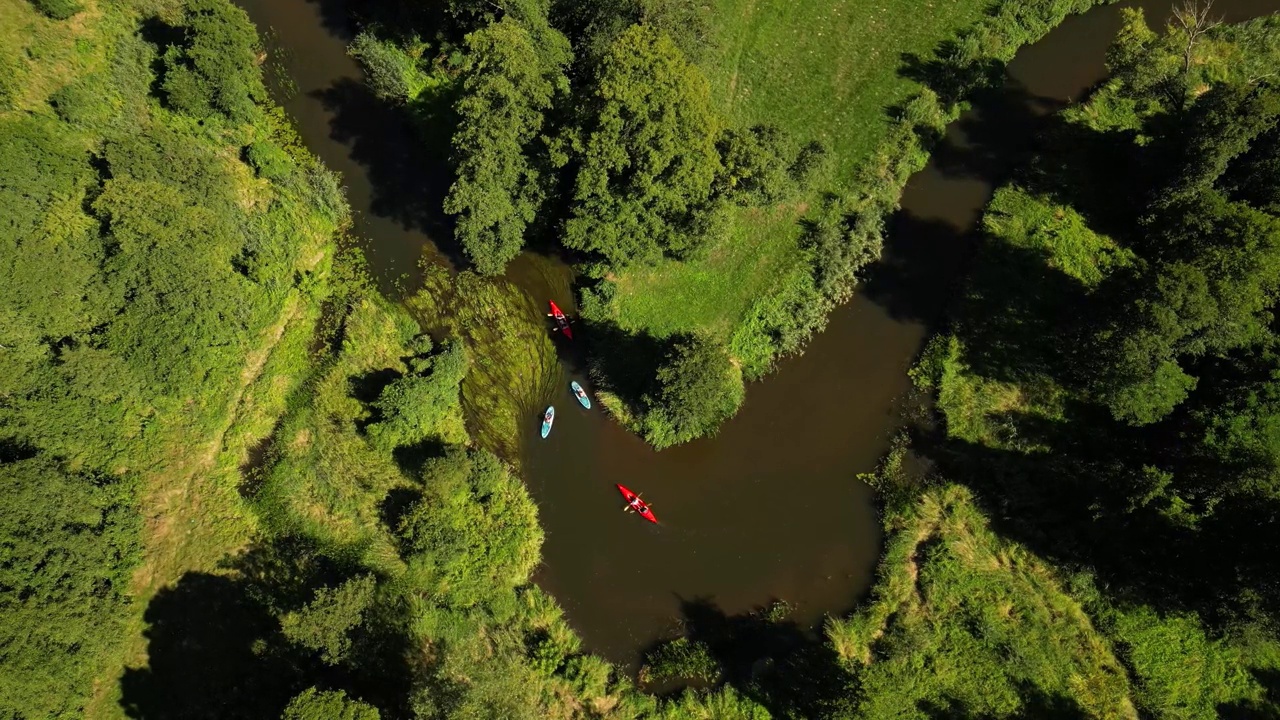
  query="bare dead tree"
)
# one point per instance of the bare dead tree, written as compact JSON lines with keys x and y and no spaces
{"x":1192,"y":16}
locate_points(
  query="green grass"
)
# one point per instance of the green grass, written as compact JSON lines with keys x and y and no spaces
{"x":714,"y":293}
{"x":965,"y":621}
{"x":826,"y":70}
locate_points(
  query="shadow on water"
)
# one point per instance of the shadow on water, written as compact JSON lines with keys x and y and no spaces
{"x":402,"y":19}
{"x":409,"y":177}
{"x":226,"y":626}
{"x":929,"y":241}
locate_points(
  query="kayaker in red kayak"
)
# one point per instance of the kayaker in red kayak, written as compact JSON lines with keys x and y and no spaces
{"x":562,"y":322}
{"x":635,"y":503}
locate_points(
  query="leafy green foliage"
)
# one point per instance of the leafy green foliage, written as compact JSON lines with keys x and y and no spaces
{"x":1166,"y":321}
{"x":755,"y":165}
{"x":1221,"y":125}
{"x":722,"y":704}
{"x":68,"y":542}
{"x":145,"y":271}
{"x":58,"y":9}
{"x":412,"y":406}
{"x":269,"y":159}
{"x":1209,"y":292}
{"x":644,"y":186}
{"x":390,"y":71}
{"x":509,"y":83}
{"x":680,"y":659}
{"x":998,"y":631}
{"x":1179,"y":671}
{"x":699,"y":388}
{"x":1255,"y":176}
{"x":313,"y":704}
{"x":215,"y":68}
{"x":474,"y":532}
{"x":325,"y":624}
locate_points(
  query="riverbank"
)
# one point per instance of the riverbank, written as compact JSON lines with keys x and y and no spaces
{"x":803,"y":71}
{"x":1138,"y":543}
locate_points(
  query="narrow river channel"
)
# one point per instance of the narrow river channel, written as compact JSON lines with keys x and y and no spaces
{"x":770,"y":508}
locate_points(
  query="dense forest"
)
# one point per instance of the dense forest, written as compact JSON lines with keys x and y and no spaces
{"x":242,"y":482}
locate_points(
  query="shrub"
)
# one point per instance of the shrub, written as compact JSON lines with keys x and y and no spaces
{"x":699,"y":388}
{"x":313,"y":704}
{"x":680,"y":659}
{"x":414,"y":406}
{"x":215,"y":69}
{"x":325,"y":624}
{"x":755,"y":165}
{"x":80,"y":102}
{"x":58,"y":9}
{"x":269,"y":160}
{"x":388,"y":69}
{"x":473,"y":535}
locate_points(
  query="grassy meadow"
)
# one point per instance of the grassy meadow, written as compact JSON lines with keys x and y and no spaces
{"x":828,"y":71}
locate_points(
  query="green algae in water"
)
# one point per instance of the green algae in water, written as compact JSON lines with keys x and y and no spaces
{"x":513,"y":363}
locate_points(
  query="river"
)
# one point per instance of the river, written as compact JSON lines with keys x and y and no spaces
{"x":770,"y":507}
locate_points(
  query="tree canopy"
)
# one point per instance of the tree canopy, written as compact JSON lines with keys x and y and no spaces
{"x":68,"y":541}
{"x":649,"y":158}
{"x":215,"y":69}
{"x":698,"y":389}
{"x":313,"y":704}
{"x":509,"y":83}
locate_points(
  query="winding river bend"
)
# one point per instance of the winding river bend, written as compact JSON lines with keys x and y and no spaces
{"x":769,"y":508}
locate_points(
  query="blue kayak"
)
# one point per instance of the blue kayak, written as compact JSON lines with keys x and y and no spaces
{"x":581,"y":394}
{"x":547,"y":418}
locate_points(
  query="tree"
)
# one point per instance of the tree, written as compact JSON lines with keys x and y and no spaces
{"x":508,"y":83}
{"x":1192,"y":19}
{"x":1209,"y":291}
{"x":325,"y":624}
{"x":474,"y":533}
{"x":1222,"y":125}
{"x":215,"y":69}
{"x":313,"y":704}
{"x":67,"y":543}
{"x":413,"y":406}
{"x":699,"y":388}
{"x":1254,"y":177}
{"x":644,"y":186}
{"x":755,"y":165}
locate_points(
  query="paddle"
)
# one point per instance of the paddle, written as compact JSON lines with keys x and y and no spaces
{"x":628,"y":506}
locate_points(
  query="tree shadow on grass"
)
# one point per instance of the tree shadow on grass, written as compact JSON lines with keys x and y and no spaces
{"x":1081,"y":498}
{"x":216,"y":649}
{"x":206,"y":638}
{"x":1267,"y":708}
{"x":1036,"y":705}
{"x":789,"y":669}
{"x":624,"y":363}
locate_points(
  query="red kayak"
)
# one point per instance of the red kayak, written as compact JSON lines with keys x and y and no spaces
{"x":635,"y":503}
{"x":562,"y":322}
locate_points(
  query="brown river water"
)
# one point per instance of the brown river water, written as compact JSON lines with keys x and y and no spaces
{"x":769,"y":508}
